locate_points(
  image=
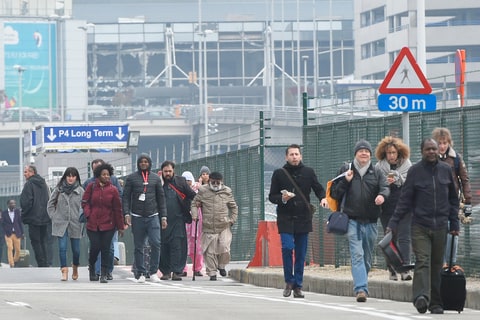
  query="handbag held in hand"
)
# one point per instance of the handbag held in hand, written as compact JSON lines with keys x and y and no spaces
{"x":337,"y":223}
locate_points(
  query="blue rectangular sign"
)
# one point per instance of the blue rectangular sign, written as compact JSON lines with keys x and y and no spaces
{"x":84,"y":137}
{"x":407,"y":102}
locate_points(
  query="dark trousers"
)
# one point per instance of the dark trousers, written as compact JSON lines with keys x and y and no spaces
{"x":173,"y":255}
{"x":39,"y":239}
{"x":100,"y":242}
{"x":429,"y":247}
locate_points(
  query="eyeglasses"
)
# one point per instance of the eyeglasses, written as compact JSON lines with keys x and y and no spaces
{"x":215,"y":182}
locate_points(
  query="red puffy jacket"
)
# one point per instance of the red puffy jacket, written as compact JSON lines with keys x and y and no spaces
{"x":102,"y":207}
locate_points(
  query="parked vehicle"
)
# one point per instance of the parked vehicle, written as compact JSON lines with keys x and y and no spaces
{"x":28,"y":115}
{"x":152,"y":115}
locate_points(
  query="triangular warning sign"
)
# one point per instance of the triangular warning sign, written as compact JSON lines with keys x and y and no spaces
{"x":405,"y":76}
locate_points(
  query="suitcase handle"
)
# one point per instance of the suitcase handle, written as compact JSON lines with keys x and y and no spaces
{"x":450,"y":260}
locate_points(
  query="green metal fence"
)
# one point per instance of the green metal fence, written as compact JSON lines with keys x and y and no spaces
{"x":325,"y":148}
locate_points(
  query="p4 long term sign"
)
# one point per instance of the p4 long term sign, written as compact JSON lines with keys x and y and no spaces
{"x":58,"y":138}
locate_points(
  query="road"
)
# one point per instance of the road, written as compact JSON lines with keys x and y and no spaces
{"x":38,"y":293}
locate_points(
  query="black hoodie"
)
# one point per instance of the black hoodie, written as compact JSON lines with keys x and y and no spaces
{"x":33,"y":201}
{"x":154,"y":199}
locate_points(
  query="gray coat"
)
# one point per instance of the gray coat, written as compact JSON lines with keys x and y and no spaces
{"x":64,"y":211}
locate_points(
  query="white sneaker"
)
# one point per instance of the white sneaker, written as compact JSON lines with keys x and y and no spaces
{"x":154,"y":278}
{"x":141,"y":279}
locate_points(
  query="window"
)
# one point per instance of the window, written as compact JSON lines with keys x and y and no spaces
{"x":378,"y":47}
{"x":366,"y":51}
{"x":365,"y":19}
{"x":378,"y":15}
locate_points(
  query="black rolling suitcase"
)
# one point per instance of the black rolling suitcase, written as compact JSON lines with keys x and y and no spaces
{"x":453,"y":287}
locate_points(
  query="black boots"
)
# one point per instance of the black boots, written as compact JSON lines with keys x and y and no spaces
{"x":93,"y":275}
{"x":103,"y":276}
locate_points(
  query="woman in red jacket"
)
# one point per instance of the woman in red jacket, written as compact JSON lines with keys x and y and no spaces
{"x":103,"y":211}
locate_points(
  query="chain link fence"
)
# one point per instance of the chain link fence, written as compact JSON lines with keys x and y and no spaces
{"x":325,"y":148}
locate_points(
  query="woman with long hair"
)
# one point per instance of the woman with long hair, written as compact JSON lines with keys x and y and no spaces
{"x":64,"y":208}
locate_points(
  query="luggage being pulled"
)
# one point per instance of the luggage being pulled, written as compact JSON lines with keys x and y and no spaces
{"x":453,"y":286}
{"x":392,"y":254}
{"x":24,"y":261}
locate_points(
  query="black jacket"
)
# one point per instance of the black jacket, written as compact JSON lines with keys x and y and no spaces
{"x":154,"y":201}
{"x":181,"y":185}
{"x":34,"y":200}
{"x":429,"y":193}
{"x":361,"y":193}
{"x":294,"y":216}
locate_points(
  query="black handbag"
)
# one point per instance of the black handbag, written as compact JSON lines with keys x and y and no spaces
{"x":392,"y":254}
{"x":337,"y":222}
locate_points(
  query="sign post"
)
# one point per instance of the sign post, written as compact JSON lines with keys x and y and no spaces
{"x":405,"y":88}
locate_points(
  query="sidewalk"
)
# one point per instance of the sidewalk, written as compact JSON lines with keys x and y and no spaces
{"x":338,"y":281}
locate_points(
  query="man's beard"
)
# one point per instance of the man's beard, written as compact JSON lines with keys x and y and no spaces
{"x":216,"y":187}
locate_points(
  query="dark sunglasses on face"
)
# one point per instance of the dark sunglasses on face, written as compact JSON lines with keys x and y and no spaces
{"x":215,"y":182}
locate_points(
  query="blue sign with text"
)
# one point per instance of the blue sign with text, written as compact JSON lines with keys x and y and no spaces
{"x":84,"y":137}
{"x":407,"y":102}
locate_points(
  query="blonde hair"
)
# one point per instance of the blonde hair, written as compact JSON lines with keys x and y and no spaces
{"x":402,"y":149}
{"x":442,"y":133}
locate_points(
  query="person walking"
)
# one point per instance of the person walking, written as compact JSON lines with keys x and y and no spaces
{"x":178,"y":196}
{"x":393,"y":162}
{"x":33,"y":201}
{"x":429,"y":193}
{"x":144,"y":208}
{"x":294,"y":218}
{"x":204,"y":175}
{"x":220,"y":212}
{"x":447,"y":154}
{"x":64,"y":209}
{"x":103,"y":210}
{"x":11,"y":226}
{"x":365,"y":189}
{"x":114,"y":245}
{"x":194,"y":232}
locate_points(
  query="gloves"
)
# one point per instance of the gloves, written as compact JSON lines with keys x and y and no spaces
{"x":467,"y":210}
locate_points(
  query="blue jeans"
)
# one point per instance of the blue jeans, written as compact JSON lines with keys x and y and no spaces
{"x":299,"y":243}
{"x":62,"y":249}
{"x":143,"y":228}
{"x":361,"y":241}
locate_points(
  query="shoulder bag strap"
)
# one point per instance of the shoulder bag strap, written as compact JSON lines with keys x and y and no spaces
{"x":299,"y":191}
{"x":180,"y":193}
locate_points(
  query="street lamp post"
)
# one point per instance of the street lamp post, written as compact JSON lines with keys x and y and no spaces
{"x":20,"y":71}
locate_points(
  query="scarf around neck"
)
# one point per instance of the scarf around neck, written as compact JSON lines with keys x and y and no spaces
{"x":361,"y":170}
{"x":68,"y":188}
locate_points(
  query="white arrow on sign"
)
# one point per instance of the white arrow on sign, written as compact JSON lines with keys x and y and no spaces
{"x":51,"y":136}
{"x":119,"y":135}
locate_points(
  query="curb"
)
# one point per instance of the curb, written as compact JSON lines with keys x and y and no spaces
{"x":391,"y":290}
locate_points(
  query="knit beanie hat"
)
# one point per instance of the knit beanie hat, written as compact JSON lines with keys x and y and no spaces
{"x":204,"y":169}
{"x":362,"y":144}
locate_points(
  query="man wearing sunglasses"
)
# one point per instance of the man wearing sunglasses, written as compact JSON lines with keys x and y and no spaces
{"x":220,"y":212}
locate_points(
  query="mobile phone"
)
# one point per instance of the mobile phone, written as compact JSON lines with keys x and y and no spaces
{"x":391,"y":175}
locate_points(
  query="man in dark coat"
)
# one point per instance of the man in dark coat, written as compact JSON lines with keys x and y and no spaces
{"x":179,"y":196}
{"x":429,"y":192}
{"x":33,"y":201}
{"x":294,"y":217}
{"x":143,"y":205}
